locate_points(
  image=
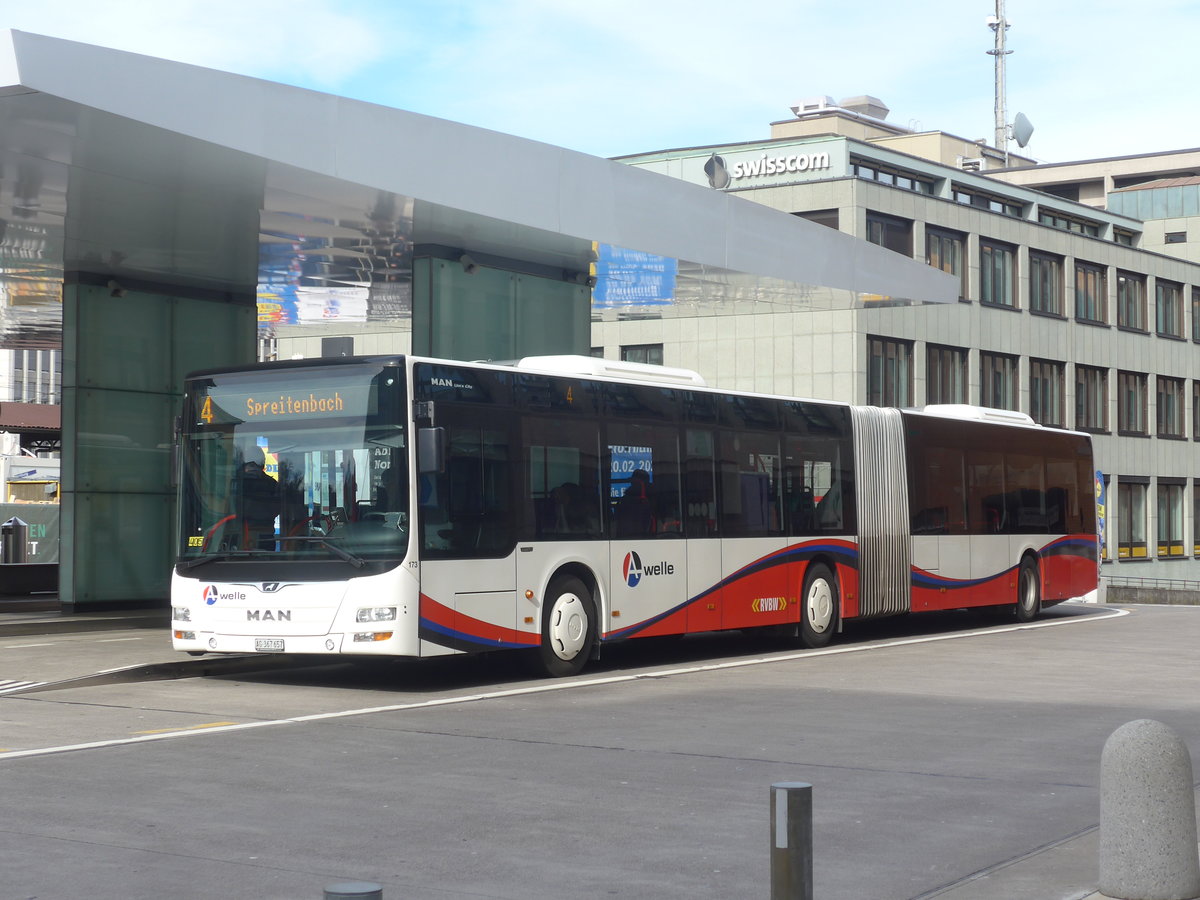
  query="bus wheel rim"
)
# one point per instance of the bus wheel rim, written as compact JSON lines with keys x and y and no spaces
{"x":568,"y":626}
{"x":1028,"y":590}
{"x":819,"y":606}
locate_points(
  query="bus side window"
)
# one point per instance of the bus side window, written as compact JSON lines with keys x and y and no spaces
{"x":643,"y":482}
{"x":561,"y":478}
{"x":467,"y":509}
{"x":699,"y":485}
{"x":985,"y":492}
{"x":814,"y":495}
{"x":936,"y":496}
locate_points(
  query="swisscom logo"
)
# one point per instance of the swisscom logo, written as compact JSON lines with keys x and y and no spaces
{"x":633,"y":571}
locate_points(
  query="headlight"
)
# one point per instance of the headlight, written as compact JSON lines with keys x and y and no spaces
{"x":376,"y":614}
{"x":181,"y":614}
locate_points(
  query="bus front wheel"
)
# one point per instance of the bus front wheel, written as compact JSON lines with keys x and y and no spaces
{"x":819,"y":607}
{"x":1029,"y":592}
{"x":568,"y":627}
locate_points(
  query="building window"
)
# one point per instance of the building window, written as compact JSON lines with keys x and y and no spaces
{"x":36,"y":376}
{"x":1176,"y":237}
{"x":1170,"y":519}
{"x":1090,"y":299}
{"x":1196,"y":419}
{"x":990,"y":202}
{"x":889,"y":372}
{"x":998,"y":380}
{"x":1168,"y":308}
{"x":1196,"y":518}
{"x":1196,"y":314}
{"x":945,"y":374}
{"x":1046,"y":284}
{"x":643,"y":353}
{"x":826,"y":217}
{"x":1131,"y":301}
{"x":1069,"y":223}
{"x":1168,"y":395}
{"x":947,"y":250}
{"x":1131,"y":518}
{"x":909,"y":181}
{"x":1124,"y":238}
{"x":1091,"y":399}
{"x":890,"y":232}
{"x":1131,"y":403}
{"x":997,"y":274}
{"x":597,"y":352}
{"x":1047,"y":381}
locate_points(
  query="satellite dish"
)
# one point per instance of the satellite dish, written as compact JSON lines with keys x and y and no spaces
{"x":1022,"y":129}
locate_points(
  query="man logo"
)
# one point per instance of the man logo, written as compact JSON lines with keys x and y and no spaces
{"x":210,"y":594}
{"x":718,"y":175}
{"x":631,"y":569}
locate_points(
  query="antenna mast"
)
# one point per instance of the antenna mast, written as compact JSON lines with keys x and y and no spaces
{"x":999,"y":26}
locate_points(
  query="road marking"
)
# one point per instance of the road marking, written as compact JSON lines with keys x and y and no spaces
{"x":8,"y":686}
{"x":23,"y":646}
{"x":117,"y":640}
{"x":546,"y":688}
{"x":188,"y":728}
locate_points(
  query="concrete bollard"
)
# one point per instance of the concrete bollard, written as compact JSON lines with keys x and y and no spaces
{"x":1147,"y":815}
{"x":354,"y":890}
{"x":791,"y":841}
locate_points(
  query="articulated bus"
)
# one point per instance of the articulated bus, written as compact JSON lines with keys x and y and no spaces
{"x":419,"y":507}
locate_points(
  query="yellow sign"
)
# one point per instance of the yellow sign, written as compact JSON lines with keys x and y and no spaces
{"x":288,"y":405}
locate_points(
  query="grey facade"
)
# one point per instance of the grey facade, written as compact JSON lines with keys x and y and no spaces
{"x":1062,"y":316}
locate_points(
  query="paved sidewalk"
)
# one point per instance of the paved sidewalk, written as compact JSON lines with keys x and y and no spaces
{"x":43,"y":614}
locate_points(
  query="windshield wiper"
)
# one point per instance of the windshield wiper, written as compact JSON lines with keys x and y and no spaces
{"x":345,"y":555}
{"x":223,"y":555}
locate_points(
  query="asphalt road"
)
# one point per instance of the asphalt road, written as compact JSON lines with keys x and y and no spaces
{"x":951,"y":756}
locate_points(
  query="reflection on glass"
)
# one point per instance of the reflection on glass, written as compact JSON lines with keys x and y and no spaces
{"x":305,"y":465}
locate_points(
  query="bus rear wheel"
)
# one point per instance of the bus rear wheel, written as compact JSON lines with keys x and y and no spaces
{"x":1029,"y":591}
{"x":818,"y":606}
{"x":568,"y":627}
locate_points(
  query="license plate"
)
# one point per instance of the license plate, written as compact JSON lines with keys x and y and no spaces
{"x":269,"y":645}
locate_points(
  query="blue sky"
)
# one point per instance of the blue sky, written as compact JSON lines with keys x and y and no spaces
{"x":610,"y":77}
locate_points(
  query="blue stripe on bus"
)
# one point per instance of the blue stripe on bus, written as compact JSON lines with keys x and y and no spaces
{"x":468,"y":641}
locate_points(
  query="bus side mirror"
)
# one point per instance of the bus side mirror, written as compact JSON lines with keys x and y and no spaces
{"x":431,"y":450}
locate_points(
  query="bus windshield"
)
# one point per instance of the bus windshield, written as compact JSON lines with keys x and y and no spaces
{"x":296,"y":463}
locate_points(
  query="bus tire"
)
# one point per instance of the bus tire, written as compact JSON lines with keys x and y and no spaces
{"x":1029,"y":591}
{"x":568,"y":627}
{"x":818,"y":606}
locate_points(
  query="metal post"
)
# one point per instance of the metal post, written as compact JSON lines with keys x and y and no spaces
{"x":14,"y":541}
{"x":791,"y":841}
{"x":354,"y":890}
